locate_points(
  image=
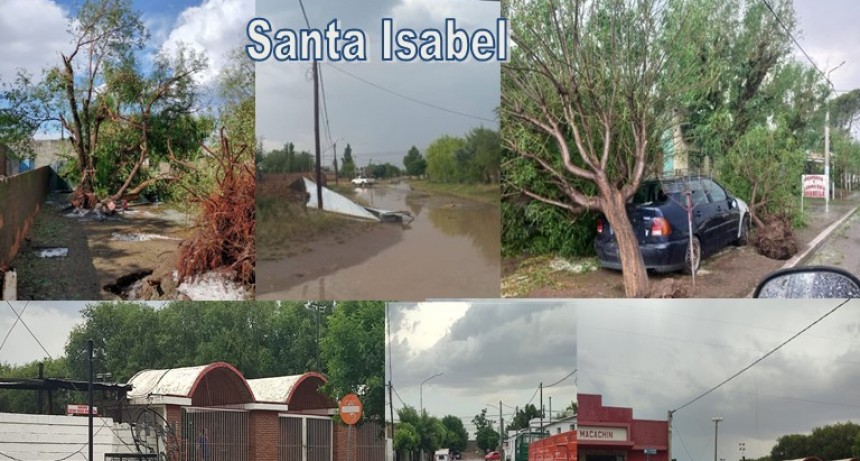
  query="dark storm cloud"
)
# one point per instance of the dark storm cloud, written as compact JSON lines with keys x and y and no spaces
{"x":515,"y":343}
{"x":656,"y":356}
{"x":378,"y":125}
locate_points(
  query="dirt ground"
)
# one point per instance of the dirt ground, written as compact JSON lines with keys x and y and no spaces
{"x":452,"y":240}
{"x":101,"y":250}
{"x":732,"y":273}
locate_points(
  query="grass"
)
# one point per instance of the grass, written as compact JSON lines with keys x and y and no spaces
{"x":485,"y":193}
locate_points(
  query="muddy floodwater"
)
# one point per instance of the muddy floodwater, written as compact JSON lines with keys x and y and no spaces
{"x":450,"y":250}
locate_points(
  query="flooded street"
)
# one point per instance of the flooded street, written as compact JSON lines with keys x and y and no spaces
{"x":451,"y":249}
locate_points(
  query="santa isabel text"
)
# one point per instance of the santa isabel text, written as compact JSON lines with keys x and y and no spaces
{"x":335,"y":43}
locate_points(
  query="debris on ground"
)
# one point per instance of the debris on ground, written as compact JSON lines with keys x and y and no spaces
{"x":581,"y":266}
{"x":776,"y":238}
{"x":669,"y":288}
{"x":213,"y":286}
{"x":53,"y":252}
{"x":128,"y":286}
{"x":139,"y":237}
{"x":224,"y":239}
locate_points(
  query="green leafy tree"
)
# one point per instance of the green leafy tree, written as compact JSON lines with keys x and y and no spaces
{"x":441,"y":160}
{"x":523,"y":416}
{"x":570,"y":410}
{"x":347,"y":164}
{"x":118,"y":118}
{"x":414,"y":162}
{"x":485,"y":147}
{"x":486,"y":437}
{"x":457,"y":436}
{"x":584,"y":100}
{"x":354,"y":353}
{"x":406,"y":438}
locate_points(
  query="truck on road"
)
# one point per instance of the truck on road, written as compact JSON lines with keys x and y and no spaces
{"x":363,"y":181}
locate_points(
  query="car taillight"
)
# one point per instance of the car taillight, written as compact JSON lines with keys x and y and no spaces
{"x":599,"y":226}
{"x":660,"y":227}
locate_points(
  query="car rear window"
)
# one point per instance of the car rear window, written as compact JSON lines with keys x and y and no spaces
{"x":651,"y":192}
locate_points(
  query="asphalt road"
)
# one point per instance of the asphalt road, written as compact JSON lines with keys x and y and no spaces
{"x":842,"y":249}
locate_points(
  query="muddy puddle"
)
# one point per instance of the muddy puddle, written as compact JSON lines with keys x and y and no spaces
{"x":450,"y":250}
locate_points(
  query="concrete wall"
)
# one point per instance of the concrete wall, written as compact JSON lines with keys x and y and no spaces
{"x":45,"y":438}
{"x":21,"y":198}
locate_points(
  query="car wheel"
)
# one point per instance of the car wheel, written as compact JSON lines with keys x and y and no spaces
{"x":744,"y":237}
{"x":690,"y":267}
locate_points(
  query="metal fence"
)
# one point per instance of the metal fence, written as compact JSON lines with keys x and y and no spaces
{"x":305,"y":438}
{"x":215,"y":434}
{"x":370,"y":443}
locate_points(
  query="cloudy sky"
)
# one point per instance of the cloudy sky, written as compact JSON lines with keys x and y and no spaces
{"x":378,"y":125}
{"x":656,"y":356}
{"x":50,"y":322}
{"x":487,"y":351}
{"x":33,"y":33}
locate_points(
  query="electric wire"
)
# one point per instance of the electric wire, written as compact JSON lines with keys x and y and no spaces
{"x":797,"y":43}
{"x":760,"y":359}
{"x":28,"y":328}
{"x":409,"y":98}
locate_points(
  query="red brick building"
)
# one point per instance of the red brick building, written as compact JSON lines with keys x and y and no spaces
{"x":612,"y":434}
{"x":212,"y":413}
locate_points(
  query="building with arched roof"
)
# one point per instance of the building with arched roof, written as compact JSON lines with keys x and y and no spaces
{"x":212,"y":413}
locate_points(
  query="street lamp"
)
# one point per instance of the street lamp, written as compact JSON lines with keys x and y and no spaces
{"x":421,"y":390}
{"x":716,"y":421}
{"x":827,"y":190}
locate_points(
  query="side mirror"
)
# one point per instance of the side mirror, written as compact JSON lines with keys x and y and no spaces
{"x":809,"y":282}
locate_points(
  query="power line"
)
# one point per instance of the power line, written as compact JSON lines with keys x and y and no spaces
{"x":562,"y":379}
{"x":784,"y":27}
{"x":28,"y":328}
{"x":757,"y":361}
{"x":17,"y":319}
{"x":409,"y":98}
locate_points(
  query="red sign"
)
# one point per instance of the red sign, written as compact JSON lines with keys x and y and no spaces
{"x":814,"y":185}
{"x":80,"y":410}
{"x":350,"y":409}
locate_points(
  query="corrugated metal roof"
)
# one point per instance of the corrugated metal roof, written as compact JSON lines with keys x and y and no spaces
{"x":174,"y":381}
{"x":336,"y":203}
{"x":274,"y":390}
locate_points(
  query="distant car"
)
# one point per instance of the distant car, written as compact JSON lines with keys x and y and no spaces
{"x":658,"y":213}
{"x":363,"y":181}
{"x":493,"y":456}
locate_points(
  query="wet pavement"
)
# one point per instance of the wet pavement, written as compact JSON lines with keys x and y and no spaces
{"x":450,"y":250}
{"x":842,"y":249}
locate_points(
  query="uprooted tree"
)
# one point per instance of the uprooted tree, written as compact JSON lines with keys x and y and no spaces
{"x":118,"y":118}
{"x":582,"y":106}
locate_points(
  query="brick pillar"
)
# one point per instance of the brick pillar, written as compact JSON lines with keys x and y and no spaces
{"x":264,"y":434}
{"x":340,"y":438}
{"x":173,"y":415}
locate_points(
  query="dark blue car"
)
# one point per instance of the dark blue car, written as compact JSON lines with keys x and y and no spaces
{"x":658,"y":213}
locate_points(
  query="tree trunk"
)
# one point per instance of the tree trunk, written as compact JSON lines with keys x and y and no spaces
{"x":633,"y":267}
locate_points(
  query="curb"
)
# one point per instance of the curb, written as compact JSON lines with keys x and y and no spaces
{"x":817,"y":241}
{"x":813,"y":245}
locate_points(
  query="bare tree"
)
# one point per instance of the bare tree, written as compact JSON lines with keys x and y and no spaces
{"x":582,"y":106}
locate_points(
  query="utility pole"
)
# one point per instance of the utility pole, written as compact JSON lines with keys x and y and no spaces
{"x":391,"y":410}
{"x":550,"y":410}
{"x":501,"y":432}
{"x":336,"y":179}
{"x":716,"y":421}
{"x":317,"y":134}
{"x":827,"y":188}
{"x":541,"y":409}
{"x":669,"y":415}
{"x":90,"y":396}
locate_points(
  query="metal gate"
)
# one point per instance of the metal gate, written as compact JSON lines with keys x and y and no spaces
{"x":215,"y":434}
{"x":370,"y":443}
{"x":305,"y":438}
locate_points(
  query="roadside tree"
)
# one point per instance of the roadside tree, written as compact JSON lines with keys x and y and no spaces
{"x":582,"y":105}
